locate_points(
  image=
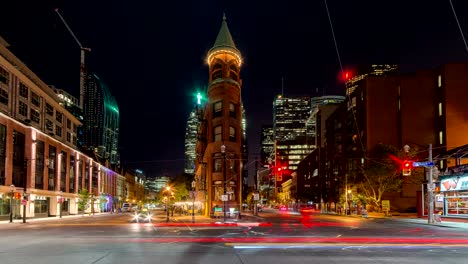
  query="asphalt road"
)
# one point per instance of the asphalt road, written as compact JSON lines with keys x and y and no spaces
{"x":289,"y":239}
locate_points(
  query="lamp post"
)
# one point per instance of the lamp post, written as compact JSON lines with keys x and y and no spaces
{"x":60,"y":203}
{"x":12,"y":191}
{"x":92,"y":203}
{"x":430,"y":218}
{"x":166,"y":197}
{"x":349,"y":201}
{"x":193,"y":201}
{"x":223,"y":151}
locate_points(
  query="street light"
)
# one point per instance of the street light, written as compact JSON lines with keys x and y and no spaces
{"x":166,"y":198}
{"x":92,"y":203}
{"x":224,"y":197}
{"x":12,"y":189}
{"x":60,"y":204}
{"x":193,"y":200}
{"x":349,"y":201}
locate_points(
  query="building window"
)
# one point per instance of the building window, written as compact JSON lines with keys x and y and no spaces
{"x":35,"y":116}
{"x":439,"y":81}
{"x":440,"y":109}
{"x":51,"y":163}
{"x":4,"y":76}
{"x":217,"y":71}
{"x":441,"y":137}
{"x":218,"y":133}
{"x":68,"y":123}
{"x":68,"y":137}
{"x":234,"y":76}
{"x":3,"y":97}
{"x":232,"y":134}
{"x":23,"y":109}
{"x":232,"y":110}
{"x":35,"y":99}
{"x":49,"y":109}
{"x":49,"y":125}
{"x":217,"y":162}
{"x":58,"y":131}
{"x":217,"y":66}
{"x":233,"y":72}
{"x":217,"y":75}
{"x":218,"y":109}
{"x":39,"y":183}
{"x":24,"y":90}
{"x":58,"y":116}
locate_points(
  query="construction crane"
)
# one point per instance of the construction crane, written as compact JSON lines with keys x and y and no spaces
{"x":82,"y":64}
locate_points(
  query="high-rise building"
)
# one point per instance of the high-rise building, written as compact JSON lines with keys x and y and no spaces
{"x":267,"y":142}
{"x":221,"y":131}
{"x":290,"y":115}
{"x":191,"y":132}
{"x":101,"y":120}
{"x":311,"y":123}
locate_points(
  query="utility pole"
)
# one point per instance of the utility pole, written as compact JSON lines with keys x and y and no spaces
{"x":223,"y":151}
{"x":82,"y":61}
{"x":430,"y":190}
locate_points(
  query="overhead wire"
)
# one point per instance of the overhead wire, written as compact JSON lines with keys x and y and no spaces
{"x":458,"y":23}
{"x":342,"y":74}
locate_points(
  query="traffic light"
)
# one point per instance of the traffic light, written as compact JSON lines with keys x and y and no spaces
{"x":407,"y":165}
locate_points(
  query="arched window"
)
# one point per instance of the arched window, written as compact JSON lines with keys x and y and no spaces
{"x":217,"y":75}
{"x":217,"y":66}
{"x":233,"y":68}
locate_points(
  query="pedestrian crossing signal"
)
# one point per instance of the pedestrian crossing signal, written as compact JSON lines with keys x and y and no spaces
{"x":17,"y":195}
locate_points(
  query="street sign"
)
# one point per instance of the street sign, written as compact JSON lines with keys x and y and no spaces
{"x":256,"y":196}
{"x":224,"y":197}
{"x":431,"y":187}
{"x":423,"y":164}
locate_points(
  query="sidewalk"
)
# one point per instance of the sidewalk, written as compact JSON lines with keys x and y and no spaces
{"x":50,"y":218}
{"x":412,"y":218}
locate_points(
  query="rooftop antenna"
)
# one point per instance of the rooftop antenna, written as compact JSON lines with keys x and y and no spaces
{"x":82,"y":63}
{"x":282,"y":86}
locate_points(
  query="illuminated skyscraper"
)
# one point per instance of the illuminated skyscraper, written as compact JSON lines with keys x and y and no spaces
{"x":101,"y":121}
{"x":290,"y":115}
{"x":191,"y":141}
{"x":267,"y":142}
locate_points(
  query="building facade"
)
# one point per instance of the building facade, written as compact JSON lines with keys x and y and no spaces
{"x":220,"y":143}
{"x":101,"y":122}
{"x":39,"y":158}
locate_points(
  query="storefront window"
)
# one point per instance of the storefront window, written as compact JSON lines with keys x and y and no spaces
{"x":40,"y":207}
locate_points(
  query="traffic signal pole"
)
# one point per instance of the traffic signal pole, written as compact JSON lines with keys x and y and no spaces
{"x":430,"y":190}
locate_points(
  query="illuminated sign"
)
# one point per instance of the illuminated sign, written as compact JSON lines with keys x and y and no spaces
{"x":454,"y":183}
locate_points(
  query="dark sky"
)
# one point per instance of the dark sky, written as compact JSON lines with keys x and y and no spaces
{"x":152,"y":54}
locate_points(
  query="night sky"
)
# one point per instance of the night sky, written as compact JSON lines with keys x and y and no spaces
{"x":151,"y":54}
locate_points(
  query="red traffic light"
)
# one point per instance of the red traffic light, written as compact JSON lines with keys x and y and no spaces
{"x":407,"y":165}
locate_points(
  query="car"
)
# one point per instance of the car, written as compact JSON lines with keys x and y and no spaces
{"x":142,"y":217}
{"x":307,"y":210}
{"x":283,"y":208}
